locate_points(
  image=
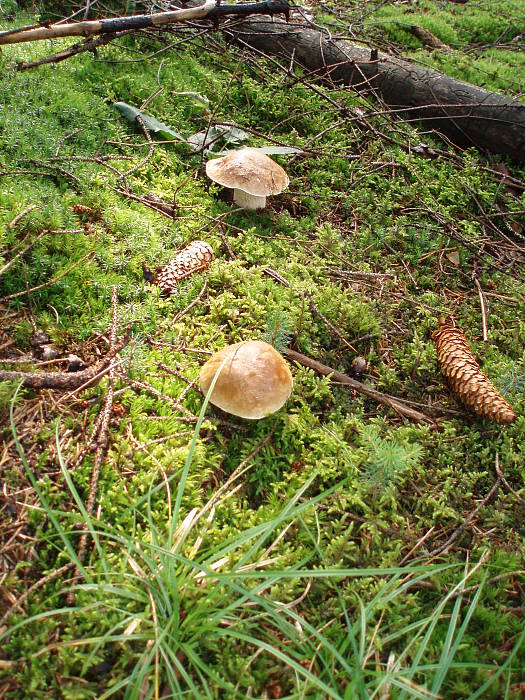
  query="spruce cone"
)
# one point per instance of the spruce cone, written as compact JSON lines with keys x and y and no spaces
{"x":196,"y":257}
{"x":465,"y":377}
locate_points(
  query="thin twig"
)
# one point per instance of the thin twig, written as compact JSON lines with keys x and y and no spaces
{"x":398,"y":405}
{"x":488,"y":582}
{"x":483,"y":310}
{"x":49,"y":282}
{"x":102,"y":440}
{"x":41,"y":582}
{"x":417,"y":545}
{"x":21,"y":215}
{"x":470,"y":517}
{"x":191,"y":304}
{"x":24,"y":250}
{"x":151,"y":147}
{"x":85,"y":45}
{"x":328,"y":323}
{"x":506,"y":483}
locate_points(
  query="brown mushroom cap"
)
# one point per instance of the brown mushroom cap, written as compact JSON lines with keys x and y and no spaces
{"x":254,"y":382}
{"x":248,"y":170}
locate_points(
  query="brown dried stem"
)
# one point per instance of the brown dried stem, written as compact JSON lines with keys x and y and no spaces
{"x":397,"y":405}
{"x":102,"y":440}
{"x":65,"y":381}
{"x":470,"y":517}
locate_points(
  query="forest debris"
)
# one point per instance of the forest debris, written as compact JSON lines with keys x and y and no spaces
{"x":465,"y":377}
{"x":65,"y":381}
{"x":49,"y":282}
{"x":470,"y":517}
{"x":210,"y":9}
{"x":398,"y":405}
{"x":196,"y":257}
{"x":466,"y":113}
{"x":21,"y":215}
{"x":102,"y":439}
{"x":429,"y":39}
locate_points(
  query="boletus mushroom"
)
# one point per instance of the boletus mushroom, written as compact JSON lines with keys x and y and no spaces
{"x":254,"y":381}
{"x":251,"y":174}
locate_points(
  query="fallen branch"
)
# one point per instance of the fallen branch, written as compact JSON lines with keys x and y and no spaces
{"x":209,"y":10}
{"x":468,"y":114}
{"x":397,"y":405}
{"x":85,"y":45}
{"x":65,"y":381}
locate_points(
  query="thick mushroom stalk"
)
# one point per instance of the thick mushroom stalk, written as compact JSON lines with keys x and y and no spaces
{"x":251,"y":174}
{"x":248,"y":201}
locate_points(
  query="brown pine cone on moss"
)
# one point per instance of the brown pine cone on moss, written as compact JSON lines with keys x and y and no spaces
{"x":196,"y":257}
{"x":465,"y":377}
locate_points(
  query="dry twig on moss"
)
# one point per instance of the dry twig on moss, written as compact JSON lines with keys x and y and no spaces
{"x":470,"y":517}
{"x":102,"y":439}
{"x":397,"y":405}
{"x":466,"y":113}
{"x":65,"y":381}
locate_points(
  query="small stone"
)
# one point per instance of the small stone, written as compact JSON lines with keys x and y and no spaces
{"x":49,"y":353}
{"x":75,"y":363}
{"x":275,"y":690}
{"x":11,"y":509}
{"x":359,"y":365}
{"x":39,"y":338}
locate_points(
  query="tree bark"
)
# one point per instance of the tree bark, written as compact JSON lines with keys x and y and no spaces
{"x":467,"y":114}
{"x":208,"y":10}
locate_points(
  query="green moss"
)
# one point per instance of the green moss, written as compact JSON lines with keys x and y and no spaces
{"x":391,"y":213}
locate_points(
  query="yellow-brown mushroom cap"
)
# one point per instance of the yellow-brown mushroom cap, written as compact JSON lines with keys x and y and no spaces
{"x":254,"y":381}
{"x":248,"y":170}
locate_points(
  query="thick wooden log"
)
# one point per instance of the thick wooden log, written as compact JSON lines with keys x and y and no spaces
{"x":467,"y":114}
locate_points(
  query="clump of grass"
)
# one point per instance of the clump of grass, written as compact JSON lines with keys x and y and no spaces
{"x":166,"y":606}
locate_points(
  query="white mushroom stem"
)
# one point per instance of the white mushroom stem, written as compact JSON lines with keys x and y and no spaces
{"x":248,"y":201}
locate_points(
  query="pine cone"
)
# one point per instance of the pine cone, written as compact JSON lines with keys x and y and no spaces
{"x":196,"y":257}
{"x":465,"y":377}
{"x":86,"y":212}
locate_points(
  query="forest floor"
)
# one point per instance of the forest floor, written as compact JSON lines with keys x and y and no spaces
{"x":334,"y":549}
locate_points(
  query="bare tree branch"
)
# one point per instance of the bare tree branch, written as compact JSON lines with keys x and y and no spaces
{"x":209,"y":10}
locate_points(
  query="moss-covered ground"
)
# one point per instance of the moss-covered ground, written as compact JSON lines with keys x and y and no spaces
{"x":384,"y":239}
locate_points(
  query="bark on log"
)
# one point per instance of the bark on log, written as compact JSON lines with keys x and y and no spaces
{"x":466,"y":113}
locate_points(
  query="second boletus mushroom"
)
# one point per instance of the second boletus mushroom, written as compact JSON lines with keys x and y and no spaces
{"x":251,"y":174}
{"x":254,"y":380}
